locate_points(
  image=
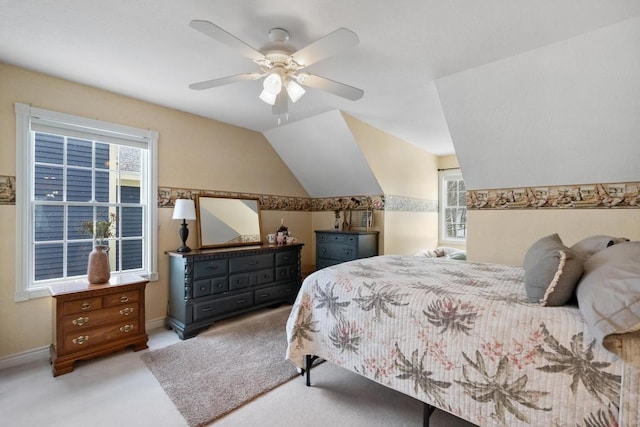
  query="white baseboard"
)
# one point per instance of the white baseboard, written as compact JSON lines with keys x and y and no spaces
{"x":37,"y":354}
{"x":42,"y":353}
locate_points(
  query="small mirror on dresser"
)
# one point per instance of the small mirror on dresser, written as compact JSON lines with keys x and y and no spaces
{"x":226,"y":221}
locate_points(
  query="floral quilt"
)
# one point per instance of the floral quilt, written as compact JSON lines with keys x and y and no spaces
{"x":461,"y":336}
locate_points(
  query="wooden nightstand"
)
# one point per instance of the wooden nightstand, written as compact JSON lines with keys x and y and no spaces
{"x":94,"y":320}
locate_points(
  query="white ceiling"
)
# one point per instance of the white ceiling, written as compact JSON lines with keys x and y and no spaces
{"x":145,"y":49}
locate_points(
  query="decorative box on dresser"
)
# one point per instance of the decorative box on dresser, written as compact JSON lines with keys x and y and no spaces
{"x":336,"y":246}
{"x":94,"y":320}
{"x":207,"y":285}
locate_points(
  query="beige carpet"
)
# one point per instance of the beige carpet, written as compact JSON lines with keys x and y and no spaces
{"x":225,"y":367}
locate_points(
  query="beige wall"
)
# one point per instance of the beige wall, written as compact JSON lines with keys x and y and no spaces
{"x":448,"y":162}
{"x":193,"y":152}
{"x":402,"y":169}
{"x":504,"y":236}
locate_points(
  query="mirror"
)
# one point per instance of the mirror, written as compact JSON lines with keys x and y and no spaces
{"x":226,"y":221}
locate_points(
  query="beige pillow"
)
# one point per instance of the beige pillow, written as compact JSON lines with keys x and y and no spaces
{"x":609,"y":293}
{"x":551,"y":271}
{"x":592,"y":244}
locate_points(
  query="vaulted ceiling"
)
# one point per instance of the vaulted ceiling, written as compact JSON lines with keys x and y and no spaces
{"x":438,"y":74}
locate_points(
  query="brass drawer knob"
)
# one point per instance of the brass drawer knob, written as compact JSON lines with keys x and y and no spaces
{"x":80,"y":321}
{"x":81,"y":339}
{"x":124,"y":298}
{"x":126,"y":328}
{"x":85,"y":305}
{"x":126,"y":311}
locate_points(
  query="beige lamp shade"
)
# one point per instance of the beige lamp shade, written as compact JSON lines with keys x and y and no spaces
{"x":184,"y":209}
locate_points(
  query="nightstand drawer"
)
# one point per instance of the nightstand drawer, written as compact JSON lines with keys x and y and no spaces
{"x":75,"y":341}
{"x":209,"y":268}
{"x":81,"y":305}
{"x":120,"y":298}
{"x":80,"y":321}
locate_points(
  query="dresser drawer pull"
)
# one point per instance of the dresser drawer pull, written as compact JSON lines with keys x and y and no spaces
{"x":286,"y":258}
{"x":126,"y":311}
{"x":81,"y":339}
{"x":207,"y":308}
{"x":264,"y":295}
{"x":80,"y":321}
{"x":212,"y":267}
{"x":254,"y":262}
{"x":85,"y":305}
{"x":124,"y":298}
{"x":241,"y":301}
{"x":126,"y":328}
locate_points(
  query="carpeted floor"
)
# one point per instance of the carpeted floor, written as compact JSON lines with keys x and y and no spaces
{"x":225,"y":367}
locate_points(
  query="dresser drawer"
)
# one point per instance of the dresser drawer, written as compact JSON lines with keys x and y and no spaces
{"x":253,"y":262}
{"x":202,"y":288}
{"x":78,"y":340}
{"x":91,"y":319}
{"x":212,"y":308}
{"x":337,"y":252}
{"x":209,"y":268}
{"x":274,"y":293}
{"x":287,"y":272}
{"x":286,"y":258}
{"x":120,"y":298}
{"x":331,"y":238}
{"x":240,"y":281}
{"x":82,"y":305}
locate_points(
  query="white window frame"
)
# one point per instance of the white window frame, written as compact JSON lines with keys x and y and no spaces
{"x":443,"y":177}
{"x":72,"y":124}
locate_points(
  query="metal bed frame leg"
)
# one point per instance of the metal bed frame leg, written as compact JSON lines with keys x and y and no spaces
{"x":307,"y":368}
{"x":306,"y":372}
{"x":428,"y":410}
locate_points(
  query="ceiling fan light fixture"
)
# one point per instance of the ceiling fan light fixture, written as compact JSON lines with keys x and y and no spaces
{"x":294,"y":90}
{"x":268,"y":97}
{"x":272,"y":83}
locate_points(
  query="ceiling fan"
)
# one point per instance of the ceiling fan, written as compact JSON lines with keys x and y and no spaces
{"x":281,"y":67}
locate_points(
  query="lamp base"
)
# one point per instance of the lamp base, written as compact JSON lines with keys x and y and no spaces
{"x":184,"y":234}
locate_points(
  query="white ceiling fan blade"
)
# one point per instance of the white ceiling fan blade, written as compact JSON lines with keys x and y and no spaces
{"x":217,"y":33}
{"x":331,"y":86}
{"x":208,"y":84}
{"x":333,"y":43}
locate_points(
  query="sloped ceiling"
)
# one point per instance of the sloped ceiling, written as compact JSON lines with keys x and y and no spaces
{"x":566,"y":113}
{"x":525,"y":92}
{"x":324,"y":156}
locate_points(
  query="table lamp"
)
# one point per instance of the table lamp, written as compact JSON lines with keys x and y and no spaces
{"x":184,"y":209}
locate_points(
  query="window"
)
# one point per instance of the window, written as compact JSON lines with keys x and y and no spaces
{"x":453,"y":207}
{"x":70,"y":170}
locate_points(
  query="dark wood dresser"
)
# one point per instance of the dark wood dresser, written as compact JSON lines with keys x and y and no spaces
{"x":335,"y":246}
{"x":94,"y":320}
{"x":207,"y":285}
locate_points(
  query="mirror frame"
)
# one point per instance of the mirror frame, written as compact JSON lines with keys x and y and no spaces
{"x":206,"y":243}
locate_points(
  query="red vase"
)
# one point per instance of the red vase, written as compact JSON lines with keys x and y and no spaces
{"x":98,"y":270}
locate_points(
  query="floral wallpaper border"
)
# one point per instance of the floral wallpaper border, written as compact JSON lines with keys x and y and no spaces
{"x":168,"y":195}
{"x":7,"y":190}
{"x":588,"y":196}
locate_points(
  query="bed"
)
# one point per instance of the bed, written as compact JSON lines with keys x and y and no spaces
{"x":465,"y":338}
